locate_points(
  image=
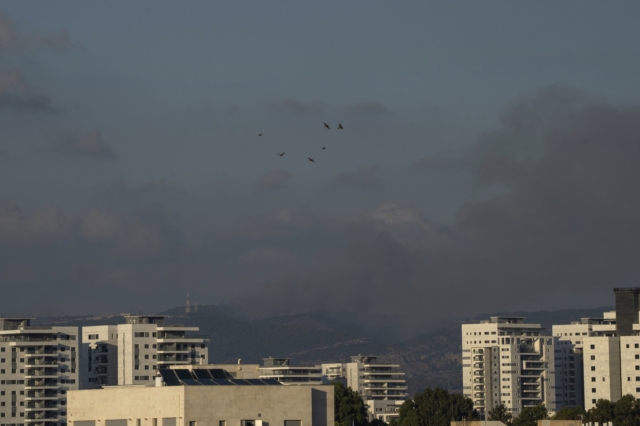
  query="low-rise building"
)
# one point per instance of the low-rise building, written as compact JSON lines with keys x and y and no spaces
{"x":203,"y":397}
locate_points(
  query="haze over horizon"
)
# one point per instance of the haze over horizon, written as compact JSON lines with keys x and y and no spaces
{"x":488,"y":160}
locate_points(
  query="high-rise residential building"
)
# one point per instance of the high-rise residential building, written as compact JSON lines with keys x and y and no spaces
{"x":506,"y":361}
{"x":131,"y":353}
{"x":383,"y":386}
{"x":38,"y":365}
{"x":569,"y":354}
{"x":281,"y":370}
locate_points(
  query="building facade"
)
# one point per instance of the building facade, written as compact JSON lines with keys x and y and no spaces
{"x":131,"y":353}
{"x":38,"y":366}
{"x":570,"y":352}
{"x":506,"y":361}
{"x":382,"y":386}
{"x":281,"y":370}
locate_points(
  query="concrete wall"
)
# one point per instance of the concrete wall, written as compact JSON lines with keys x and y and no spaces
{"x":131,"y":403}
{"x":205,"y":405}
{"x":601,"y":370}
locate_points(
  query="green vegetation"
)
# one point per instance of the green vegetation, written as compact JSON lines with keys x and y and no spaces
{"x":435,"y":407}
{"x":349,"y":407}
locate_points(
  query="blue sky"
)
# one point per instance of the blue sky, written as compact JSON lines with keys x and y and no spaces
{"x":129,"y":142}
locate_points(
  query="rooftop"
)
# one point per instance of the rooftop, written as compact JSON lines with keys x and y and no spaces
{"x":208,"y":377}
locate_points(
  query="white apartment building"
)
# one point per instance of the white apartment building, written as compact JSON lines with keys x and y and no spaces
{"x":38,"y":365}
{"x":281,"y":370}
{"x":570,"y":352}
{"x":383,"y":387}
{"x":131,"y":353}
{"x":506,"y":361}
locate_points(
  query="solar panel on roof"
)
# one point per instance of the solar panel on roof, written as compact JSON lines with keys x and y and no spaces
{"x":183,"y":374}
{"x":223,"y":382}
{"x":271,"y":381}
{"x":240,"y":382}
{"x":254,"y":381}
{"x":208,"y":382}
{"x":191,"y":382}
{"x":169,"y":377}
{"x":202,"y":373}
{"x":218,"y":373}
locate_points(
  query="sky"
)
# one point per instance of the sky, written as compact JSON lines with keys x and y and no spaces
{"x":488,"y":160}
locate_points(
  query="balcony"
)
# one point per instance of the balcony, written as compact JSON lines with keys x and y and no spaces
{"x":45,"y":352}
{"x":41,"y":384}
{"x":177,"y":338}
{"x":41,"y":406}
{"x":47,"y":373}
{"x":38,"y":417}
{"x":173,"y":348}
{"x":40,"y":361}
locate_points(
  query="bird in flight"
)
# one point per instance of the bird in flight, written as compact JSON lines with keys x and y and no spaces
{"x":260,"y":134}
{"x":327,"y":126}
{"x":340,"y":126}
{"x":311,"y":159}
{"x":281,"y":154}
{"x":324,"y":147}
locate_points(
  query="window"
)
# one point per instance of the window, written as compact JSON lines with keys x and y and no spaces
{"x":191,"y":423}
{"x":637,"y":356}
{"x":636,"y":346}
{"x":593,"y":379}
{"x":222,"y":423}
{"x":137,"y":367}
{"x":593,"y":401}
{"x":637,"y":367}
{"x":593,"y":346}
{"x":146,"y":367}
{"x":154,"y":422}
{"x":593,"y":357}
{"x":593,"y":368}
{"x":146,"y":357}
{"x":593,"y":390}
{"x":136,"y":377}
{"x":247,"y":423}
{"x":138,"y":422}
{"x":146,"y":346}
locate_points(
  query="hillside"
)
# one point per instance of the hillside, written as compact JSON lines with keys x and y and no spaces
{"x":432,"y":359}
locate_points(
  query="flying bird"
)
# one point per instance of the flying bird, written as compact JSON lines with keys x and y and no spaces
{"x":324,"y":147}
{"x":260,"y":134}
{"x":311,"y":159}
{"x":327,"y":126}
{"x":340,"y":126}
{"x":281,"y":154}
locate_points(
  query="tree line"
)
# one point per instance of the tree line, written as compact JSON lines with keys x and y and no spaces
{"x":438,"y":407}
